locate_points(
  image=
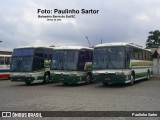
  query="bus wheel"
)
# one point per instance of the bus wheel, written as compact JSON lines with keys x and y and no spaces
{"x":132,"y":79}
{"x":88,"y":79}
{"x":148,"y":75}
{"x":28,"y":83}
{"x":46,"y":78}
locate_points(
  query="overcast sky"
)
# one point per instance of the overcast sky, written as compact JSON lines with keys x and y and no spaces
{"x":117,"y":21}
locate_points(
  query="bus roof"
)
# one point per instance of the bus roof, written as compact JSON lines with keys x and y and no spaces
{"x":72,"y":48}
{"x":33,"y":47}
{"x":5,"y":55}
{"x":119,"y":44}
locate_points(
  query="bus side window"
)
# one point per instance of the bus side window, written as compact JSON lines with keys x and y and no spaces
{"x":89,"y":56}
{"x":147,"y":55}
{"x":132,"y":53}
{"x":136,"y":54}
{"x":150,"y":56}
{"x":7,"y":61}
{"x":1,"y":60}
{"x":129,"y":55}
{"x":81,"y":61}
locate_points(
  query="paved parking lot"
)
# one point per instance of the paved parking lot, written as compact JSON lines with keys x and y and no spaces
{"x":142,"y":96}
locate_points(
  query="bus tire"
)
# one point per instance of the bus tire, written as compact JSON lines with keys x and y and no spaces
{"x":132,"y":79}
{"x":148,"y":75}
{"x":88,"y":79}
{"x":28,"y":83}
{"x":46,"y":78}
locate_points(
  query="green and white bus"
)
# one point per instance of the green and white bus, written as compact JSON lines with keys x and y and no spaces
{"x":31,"y":64}
{"x":121,"y":63}
{"x":72,"y":65}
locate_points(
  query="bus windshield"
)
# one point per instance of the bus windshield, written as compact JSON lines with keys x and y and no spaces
{"x":23,"y":52}
{"x":21,"y":64}
{"x":109,"y":58}
{"x":64,"y":60}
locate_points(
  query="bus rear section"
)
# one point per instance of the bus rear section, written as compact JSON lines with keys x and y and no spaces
{"x":5,"y":66}
{"x":121,"y":63}
{"x":31,"y":64}
{"x":72,"y":65}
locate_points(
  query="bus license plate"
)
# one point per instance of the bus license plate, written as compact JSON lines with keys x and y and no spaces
{"x":107,"y":78}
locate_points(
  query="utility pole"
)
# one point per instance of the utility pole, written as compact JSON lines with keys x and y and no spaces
{"x":88,"y":41}
{"x":101,"y":41}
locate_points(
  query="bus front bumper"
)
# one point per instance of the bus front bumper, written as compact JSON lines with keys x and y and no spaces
{"x":67,"y":79}
{"x":111,"y":78}
{"x":22,"y":79}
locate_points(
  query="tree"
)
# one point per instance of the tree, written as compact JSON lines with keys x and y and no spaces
{"x":153,"y":40}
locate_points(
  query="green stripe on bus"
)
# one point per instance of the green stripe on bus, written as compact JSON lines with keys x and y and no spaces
{"x":144,"y":63}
